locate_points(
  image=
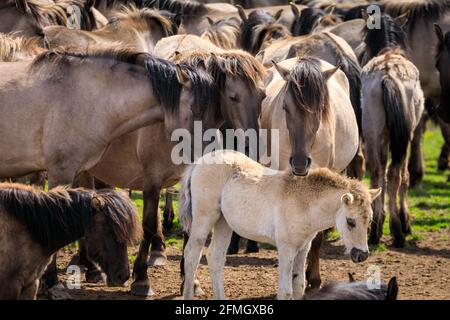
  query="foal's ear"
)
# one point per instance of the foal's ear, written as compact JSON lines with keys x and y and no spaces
{"x":439,"y":33}
{"x":347,"y":199}
{"x":210,"y":21}
{"x":374,"y":193}
{"x":284,"y":73}
{"x":392,"y":289}
{"x":327,"y":74}
{"x":278,"y":14}
{"x":98,"y":203}
{"x":182,"y":77}
{"x":241,"y":12}
{"x":295,"y":10}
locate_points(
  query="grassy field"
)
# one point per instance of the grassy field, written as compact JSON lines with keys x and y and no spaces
{"x":429,"y":203}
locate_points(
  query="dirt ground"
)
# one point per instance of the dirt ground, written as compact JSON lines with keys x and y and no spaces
{"x":422,"y":270}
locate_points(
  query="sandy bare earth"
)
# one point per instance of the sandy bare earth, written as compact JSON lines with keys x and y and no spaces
{"x":422,"y":269}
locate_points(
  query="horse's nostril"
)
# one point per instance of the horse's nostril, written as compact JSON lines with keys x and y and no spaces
{"x":308,"y":162}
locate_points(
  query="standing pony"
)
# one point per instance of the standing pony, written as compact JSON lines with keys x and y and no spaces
{"x":228,"y":191}
{"x":35,"y":224}
{"x":392,"y":103}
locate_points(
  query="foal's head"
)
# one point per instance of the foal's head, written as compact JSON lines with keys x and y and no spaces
{"x":353,"y":219}
{"x":306,"y":105}
{"x":443,"y":66}
{"x":114,"y":226}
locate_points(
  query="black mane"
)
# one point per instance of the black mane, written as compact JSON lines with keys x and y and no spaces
{"x":304,"y":24}
{"x":255,"y":18}
{"x":54,"y":219}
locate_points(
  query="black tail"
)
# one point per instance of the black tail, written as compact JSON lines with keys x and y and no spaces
{"x":397,"y":122}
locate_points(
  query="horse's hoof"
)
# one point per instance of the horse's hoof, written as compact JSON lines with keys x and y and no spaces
{"x":314,"y":284}
{"x":142,"y":289}
{"x":399,"y":242}
{"x":198,"y":291}
{"x":58,"y":292}
{"x":93,"y":276}
{"x":157,"y":259}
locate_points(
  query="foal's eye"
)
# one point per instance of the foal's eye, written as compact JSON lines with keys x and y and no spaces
{"x":351,"y":222}
{"x":234,"y":98}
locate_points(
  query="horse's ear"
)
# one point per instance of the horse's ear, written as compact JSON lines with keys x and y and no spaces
{"x":182,"y":77}
{"x":350,"y":277}
{"x":210,"y":21}
{"x":364,"y":14}
{"x":439,"y":33}
{"x":177,"y":55}
{"x":278,"y":14}
{"x":402,"y":20}
{"x":284,"y":73}
{"x":330,"y":9}
{"x":392,"y":289}
{"x":98,"y":203}
{"x":242,"y":13}
{"x":327,"y":74}
{"x":295,"y":10}
{"x":178,"y":19}
{"x":347,"y":199}
{"x":89,"y":4}
{"x":374,"y":193}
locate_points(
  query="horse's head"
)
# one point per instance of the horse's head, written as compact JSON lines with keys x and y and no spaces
{"x":115,"y":225}
{"x":443,"y":66}
{"x":353,"y":219}
{"x":306,"y":105}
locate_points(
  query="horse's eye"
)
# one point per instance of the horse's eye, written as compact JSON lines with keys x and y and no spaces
{"x":351,"y":222}
{"x":234,"y":98}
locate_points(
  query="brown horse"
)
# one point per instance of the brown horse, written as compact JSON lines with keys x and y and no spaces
{"x":393,"y":103}
{"x":35,"y":224}
{"x":239,"y":89}
{"x":29,"y":17}
{"x":139,"y":29}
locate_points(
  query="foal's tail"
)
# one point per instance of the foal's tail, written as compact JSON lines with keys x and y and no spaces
{"x":185,"y":210}
{"x":398,"y":122}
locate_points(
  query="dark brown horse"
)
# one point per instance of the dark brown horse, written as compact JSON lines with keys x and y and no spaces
{"x":35,"y":224}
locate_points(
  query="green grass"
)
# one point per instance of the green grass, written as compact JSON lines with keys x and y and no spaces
{"x":429,"y":203}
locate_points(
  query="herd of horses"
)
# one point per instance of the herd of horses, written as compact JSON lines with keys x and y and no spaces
{"x":91,"y":90}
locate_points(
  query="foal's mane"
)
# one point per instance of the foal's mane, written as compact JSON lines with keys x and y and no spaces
{"x":11,"y":46}
{"x":236,"y":63}
{"x":308,"y":86}
{"x":390,"y":35}
{"x":161,"y":73}
{"x":426,"y":10}
{"x":142,"y":19}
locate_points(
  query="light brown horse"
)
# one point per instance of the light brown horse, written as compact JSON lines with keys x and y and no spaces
{"x":35,"y":224}
{"x":239,"y":87}
{"x":139,"y":29}
{"x":308,"y":101}
{"x":393,"y":103}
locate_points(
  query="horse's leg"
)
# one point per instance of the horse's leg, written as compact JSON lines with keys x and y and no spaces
{"x":445,"y":129}
{"x":30,"y":291}
{"x":444,"y":157}
{"x":394,"y":180}
{"x":217,"y":254}
{"x":298,"y":276}
{"x":286,"y":256}
{"x":313,"y":269}
{"x":416,"y":163}
{"x":356,"y":168}
{"x":168,"y":214}
{"x":404,"y":211}
{"x":150,"y":222}
{"x":201,"y":226}
{"x":234,"y":244}
{"x":252,"y":246}
{"x":38,"y":179}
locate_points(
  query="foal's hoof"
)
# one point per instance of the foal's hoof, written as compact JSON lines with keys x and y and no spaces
{"x":198,"y":291}
{"x":157,"y":259}
{"x":142,"y":289}
{"x":94,"y":276}
{"x":58,"y":292}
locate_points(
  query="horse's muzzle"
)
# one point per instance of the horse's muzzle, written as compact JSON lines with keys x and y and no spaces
{"x":300,"y":171}
{"x":358,"y":255}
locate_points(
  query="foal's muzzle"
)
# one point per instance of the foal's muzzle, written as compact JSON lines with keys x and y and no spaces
{"x":358,"y":255}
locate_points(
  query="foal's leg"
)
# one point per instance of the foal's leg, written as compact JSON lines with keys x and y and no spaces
{"x":202,"y":224}
{"x":286,"y":256}
{"x":217,"y":253}
{"x":313,"y":270}
{"x":404,"y":212}
{"x":152,"y":234}
{"x":298,"y":281}
{"x":395,"y":224}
